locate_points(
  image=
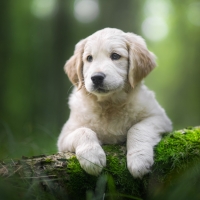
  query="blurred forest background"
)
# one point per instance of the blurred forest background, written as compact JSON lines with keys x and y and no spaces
{"x":38,"y":36}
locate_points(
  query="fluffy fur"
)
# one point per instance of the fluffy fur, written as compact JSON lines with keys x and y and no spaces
{"x":119,"y":109}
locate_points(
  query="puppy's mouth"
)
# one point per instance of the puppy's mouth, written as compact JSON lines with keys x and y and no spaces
{"x":100,"y":90}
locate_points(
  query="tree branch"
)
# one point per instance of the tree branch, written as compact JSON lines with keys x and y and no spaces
{"x":60,"y":176}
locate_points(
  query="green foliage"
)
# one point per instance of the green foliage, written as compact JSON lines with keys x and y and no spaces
{"x":177,"y":151}
{"x":183,"y":185}
{"x":34,"y":88}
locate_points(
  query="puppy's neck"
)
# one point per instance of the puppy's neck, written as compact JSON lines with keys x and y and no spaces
{"x":116,"y":98}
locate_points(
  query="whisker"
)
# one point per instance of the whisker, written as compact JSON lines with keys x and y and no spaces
{"x":69,"y":89}
{"x":77,"y":83}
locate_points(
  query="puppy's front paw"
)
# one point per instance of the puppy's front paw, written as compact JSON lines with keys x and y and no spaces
{"x":92,"y":159}
{"x":139,"y":164}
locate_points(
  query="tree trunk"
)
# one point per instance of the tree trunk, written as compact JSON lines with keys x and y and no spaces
{"x":60,"y":176}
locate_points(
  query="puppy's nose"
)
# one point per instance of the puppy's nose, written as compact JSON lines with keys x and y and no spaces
{"x":97,"y":78}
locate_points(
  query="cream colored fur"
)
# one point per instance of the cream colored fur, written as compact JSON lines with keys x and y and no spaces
{"x":125,"y":111}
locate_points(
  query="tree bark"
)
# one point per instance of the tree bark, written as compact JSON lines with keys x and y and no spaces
{"x":60,"y":176}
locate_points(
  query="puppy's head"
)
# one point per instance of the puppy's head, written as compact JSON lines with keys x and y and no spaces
{"x":105,"y":61}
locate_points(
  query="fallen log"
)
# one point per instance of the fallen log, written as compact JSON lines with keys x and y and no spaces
{"x":60,"y":176}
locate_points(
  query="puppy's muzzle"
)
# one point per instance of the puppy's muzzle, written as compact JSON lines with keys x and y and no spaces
{"x":98,"y":78}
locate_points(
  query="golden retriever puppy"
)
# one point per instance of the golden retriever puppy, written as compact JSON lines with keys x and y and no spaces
{"x":110,"y":104}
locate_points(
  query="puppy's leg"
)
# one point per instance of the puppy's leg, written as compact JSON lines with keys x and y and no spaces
{"x":141,"y":139}
{"x":84,"y":142}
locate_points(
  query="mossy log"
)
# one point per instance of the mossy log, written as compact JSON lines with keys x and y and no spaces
{"x":60,"y":176}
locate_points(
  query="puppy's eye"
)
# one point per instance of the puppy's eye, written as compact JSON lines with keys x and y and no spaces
{"x":89,"y":58}
{"x":115,"y":56}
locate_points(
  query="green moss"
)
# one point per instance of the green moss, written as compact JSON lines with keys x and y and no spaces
{"x":118,"y":176}
{"x":73,"y":166}
{"x":177,"y":151}
{"x":124,"y":182}
{"x":115,"y":149}
{"x":117,"y":169}
{"x":79,"y":181}
{"x":48,"y":160}
{"x":179,"y":145}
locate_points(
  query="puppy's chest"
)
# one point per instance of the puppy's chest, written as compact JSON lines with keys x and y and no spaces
{"x":112,"y":121}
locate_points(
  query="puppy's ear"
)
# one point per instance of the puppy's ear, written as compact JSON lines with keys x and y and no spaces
{"x":141,"y":61}
{"x":74,"y":66}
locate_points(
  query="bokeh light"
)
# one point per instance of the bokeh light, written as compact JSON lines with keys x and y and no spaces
{"x":158,"y":8}
{"x":86,"y":11}
{"x":154,"y":28}
{"x":43,"y":8}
